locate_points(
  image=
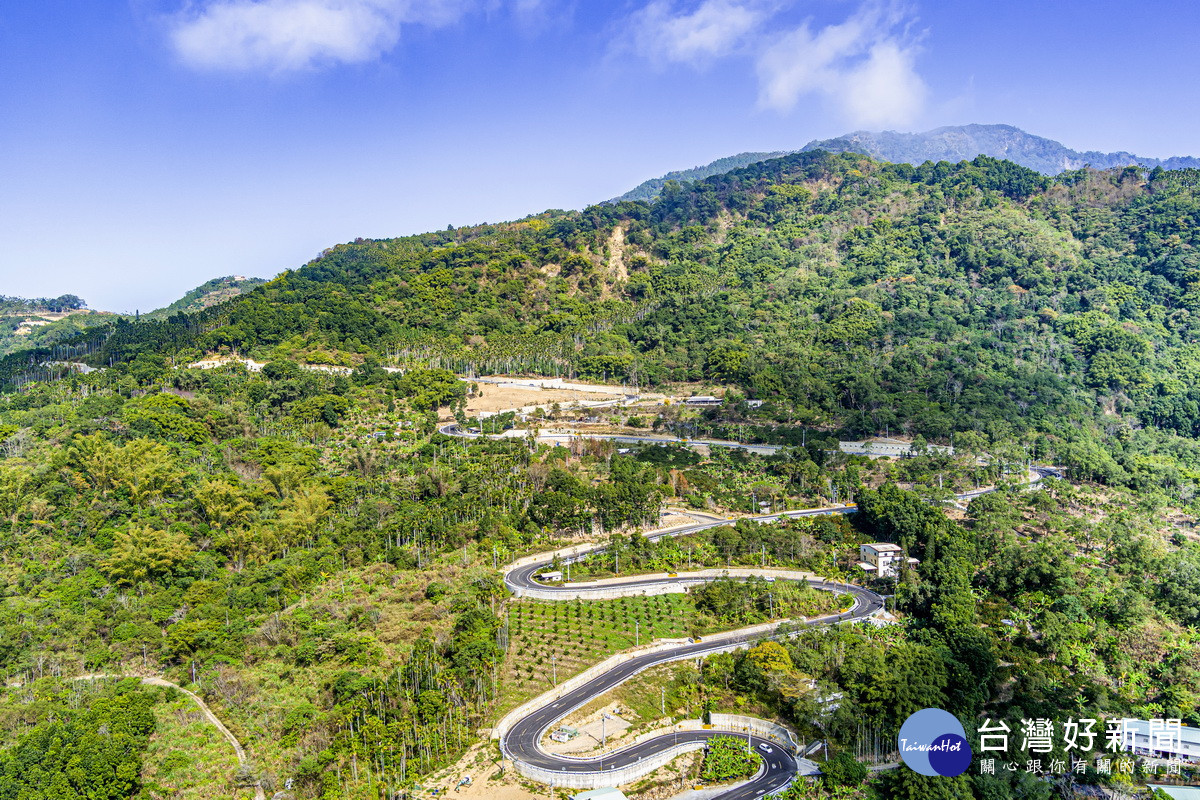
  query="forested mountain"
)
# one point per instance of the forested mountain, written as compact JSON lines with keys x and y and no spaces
{"x":207,"y":294}
{"x":306,"y":551}
{"x":940,"y":299}
{"x":49,"y":325}
{"x":28,"y":323}
{"x":648,"y":190}
{"x":952,"y":143}
{"x":54,"y":305}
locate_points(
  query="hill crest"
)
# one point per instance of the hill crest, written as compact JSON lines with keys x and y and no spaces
{"x":953,"y":143}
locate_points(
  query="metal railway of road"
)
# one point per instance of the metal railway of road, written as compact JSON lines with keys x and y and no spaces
{"x":521,"y":742}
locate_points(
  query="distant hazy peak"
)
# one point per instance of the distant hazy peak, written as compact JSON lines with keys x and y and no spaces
{"x":963,"y":142}
{"x":951,"y":143}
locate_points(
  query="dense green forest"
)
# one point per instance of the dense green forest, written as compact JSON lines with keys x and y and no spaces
{"x":309,"y":554}
{"x":976,"y":298}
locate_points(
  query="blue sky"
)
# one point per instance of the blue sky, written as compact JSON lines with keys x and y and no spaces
{"x":148,"y":145}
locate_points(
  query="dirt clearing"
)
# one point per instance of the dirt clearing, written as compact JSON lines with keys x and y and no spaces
{"x":505,"y":398}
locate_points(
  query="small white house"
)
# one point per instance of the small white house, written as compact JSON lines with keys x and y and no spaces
{"x":882,"y":559}
{"x":549,"y":577}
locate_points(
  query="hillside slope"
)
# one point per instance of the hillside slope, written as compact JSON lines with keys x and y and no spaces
{"x":648,"y":190}
{"x":978,"y":297}
{"x":209,"y":293}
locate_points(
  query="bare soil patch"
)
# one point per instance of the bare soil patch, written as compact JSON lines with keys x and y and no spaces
{"x":502,"y":398}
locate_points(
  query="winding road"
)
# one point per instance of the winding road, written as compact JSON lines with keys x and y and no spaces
{"x":520,"y":741}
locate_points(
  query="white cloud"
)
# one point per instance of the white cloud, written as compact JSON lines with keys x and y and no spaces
{"x":865,"y":65}
{"x":714,"y":28}
{"x":885,"y":89}
{"x":285,"y":35}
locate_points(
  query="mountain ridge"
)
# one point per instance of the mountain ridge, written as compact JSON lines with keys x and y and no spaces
{"x":953,"y":143}
{"x":964,"y":142}
{"x":209,"y":293}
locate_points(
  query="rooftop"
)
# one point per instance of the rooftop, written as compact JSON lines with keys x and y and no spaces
{"x":1179,"y":792}
{"x":600,"y":794}
{"x":1187,"y":734}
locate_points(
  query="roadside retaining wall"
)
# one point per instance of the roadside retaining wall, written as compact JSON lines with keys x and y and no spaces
{"x":630,"y":587}
{"x":584,"y":548}
{"x":758,"y":727}
{"x":729,"y":722}
{"x":609,"y":777}
{"x":721,"y":723}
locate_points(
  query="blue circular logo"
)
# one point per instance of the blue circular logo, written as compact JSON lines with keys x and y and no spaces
{"x":933,"y":742}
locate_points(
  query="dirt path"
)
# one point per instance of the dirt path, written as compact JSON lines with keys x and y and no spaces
{"x":240,"y":751}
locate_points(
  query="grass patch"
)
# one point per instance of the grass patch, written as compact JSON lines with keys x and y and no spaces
{"x":188,"y":758}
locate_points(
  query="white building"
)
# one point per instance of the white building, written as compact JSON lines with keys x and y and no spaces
{"x":600,"y":794}
{"x":1158,"y":738}
{"x":882,"y":559}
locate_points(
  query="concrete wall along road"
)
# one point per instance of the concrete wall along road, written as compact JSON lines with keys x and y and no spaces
{"x":732,"y":723}
{"x":631,"y":586}
{"x":609,"y":777}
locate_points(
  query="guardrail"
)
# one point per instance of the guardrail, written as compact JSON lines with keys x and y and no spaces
{"x":730,"y":724}
{"x":758,"y":727}
{"x":634,"y":586}
{"x":608,"y":777}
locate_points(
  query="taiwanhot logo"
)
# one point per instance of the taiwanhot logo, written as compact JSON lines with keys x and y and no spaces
{"x":933,"y":742}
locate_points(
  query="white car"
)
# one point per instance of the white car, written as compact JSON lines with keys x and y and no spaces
{"x":766,"y":748}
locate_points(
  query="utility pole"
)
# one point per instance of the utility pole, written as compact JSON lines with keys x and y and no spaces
{"x":663,"y":699}
{"x":554,"y":668}
{"x":637,"y":633}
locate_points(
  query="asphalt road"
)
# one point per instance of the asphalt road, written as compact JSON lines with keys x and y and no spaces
{"x":522,"y":741}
